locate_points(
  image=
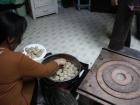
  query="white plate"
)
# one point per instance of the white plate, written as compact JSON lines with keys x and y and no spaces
{"x":38,"y":59}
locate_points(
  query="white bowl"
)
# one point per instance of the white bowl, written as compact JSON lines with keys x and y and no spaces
{"x":37,"y":59}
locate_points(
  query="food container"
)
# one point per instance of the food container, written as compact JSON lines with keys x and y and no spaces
{"x":40,"y":58}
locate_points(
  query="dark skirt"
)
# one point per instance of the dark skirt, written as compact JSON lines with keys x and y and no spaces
{"x":121,"y":30}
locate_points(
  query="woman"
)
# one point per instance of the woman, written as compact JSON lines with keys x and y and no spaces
{"x":121,"y":34}
{"x":16,"y":67}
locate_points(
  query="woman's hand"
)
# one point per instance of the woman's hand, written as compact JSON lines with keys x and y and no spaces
{"x":114,"y":2}
{"x":60,"y":61}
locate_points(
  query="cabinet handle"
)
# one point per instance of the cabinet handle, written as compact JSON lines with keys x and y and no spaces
{"x":45,"y":11}
{"x":41,"y":6}
{"x":44,"y":5}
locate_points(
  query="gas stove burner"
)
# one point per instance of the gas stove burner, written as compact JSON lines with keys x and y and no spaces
{"x":120,"y":79}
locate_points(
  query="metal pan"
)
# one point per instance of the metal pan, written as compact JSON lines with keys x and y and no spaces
{"x":69,"y":58}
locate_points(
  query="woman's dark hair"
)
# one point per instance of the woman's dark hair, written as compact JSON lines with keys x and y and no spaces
{"x":12,"y":26}
{"x":6,"y":7}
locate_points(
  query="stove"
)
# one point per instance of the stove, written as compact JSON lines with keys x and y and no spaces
{"x":114,"y":79}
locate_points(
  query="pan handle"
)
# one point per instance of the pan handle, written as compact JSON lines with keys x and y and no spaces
{"x":47,"y":55}
{"x":81,"y":73}
{"x":82,"y":70}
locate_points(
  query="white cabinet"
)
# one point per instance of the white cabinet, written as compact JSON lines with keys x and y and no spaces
{"x":43,"y":7}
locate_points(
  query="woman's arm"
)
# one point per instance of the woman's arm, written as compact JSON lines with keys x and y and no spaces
{"x":30,"y":68}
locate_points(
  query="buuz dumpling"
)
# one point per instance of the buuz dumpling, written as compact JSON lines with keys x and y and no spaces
{"x":68,"y":72}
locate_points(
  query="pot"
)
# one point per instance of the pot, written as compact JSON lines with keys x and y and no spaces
{"x":48,"y":82}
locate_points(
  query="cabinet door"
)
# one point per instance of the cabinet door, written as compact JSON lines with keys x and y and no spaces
{"x":40,"y":3}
